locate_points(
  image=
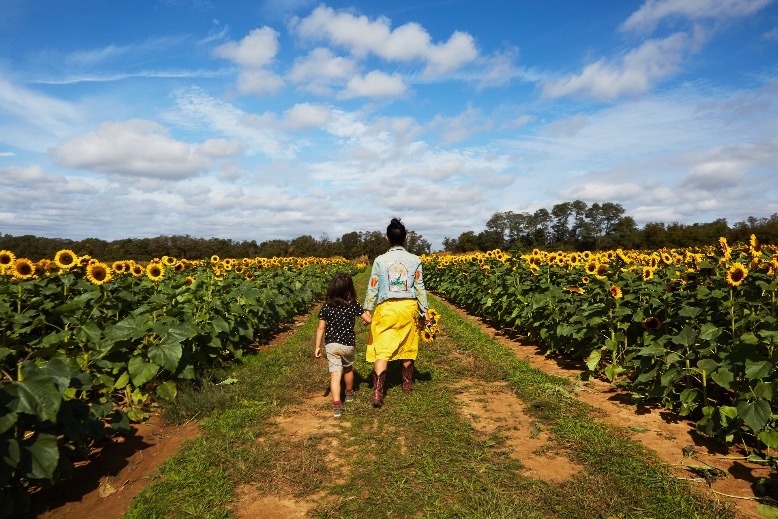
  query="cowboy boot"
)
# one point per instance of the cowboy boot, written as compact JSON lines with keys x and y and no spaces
{"x":407,"y":376}
{"x":378,"y":388}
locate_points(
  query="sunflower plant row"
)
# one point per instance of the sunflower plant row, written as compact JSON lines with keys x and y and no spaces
{"x":86,"y":346}
{"x":692,"y":329}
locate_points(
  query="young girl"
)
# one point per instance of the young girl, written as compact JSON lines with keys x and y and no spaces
{"x":336,"y":328}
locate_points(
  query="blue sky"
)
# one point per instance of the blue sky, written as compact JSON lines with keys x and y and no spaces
{"x":278,"y":118}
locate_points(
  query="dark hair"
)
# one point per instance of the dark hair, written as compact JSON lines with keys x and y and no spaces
{"x":396,"y":232}
{"x":341,"y":291}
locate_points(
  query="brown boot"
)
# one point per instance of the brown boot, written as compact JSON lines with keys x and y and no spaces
{"x":378,"y":388}
{"x":407,"y":376}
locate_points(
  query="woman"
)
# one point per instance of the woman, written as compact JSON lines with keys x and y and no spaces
{"x":398,"y":301}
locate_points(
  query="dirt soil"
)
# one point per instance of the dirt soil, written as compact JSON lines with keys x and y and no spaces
{"x":117,"y":472}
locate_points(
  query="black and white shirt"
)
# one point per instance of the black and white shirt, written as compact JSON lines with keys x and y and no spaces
{"x":340,"y":323}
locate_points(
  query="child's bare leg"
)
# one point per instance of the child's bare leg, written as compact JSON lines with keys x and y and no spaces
{"x":348,"y":378}
{"x":335,"y":385}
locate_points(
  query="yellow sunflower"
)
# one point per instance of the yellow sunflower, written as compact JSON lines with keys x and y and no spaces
{"x":98,"y":273}
{"x":155,"y":270}
{"x":736,"y":274}
{"x":426,"y":335}
{"x":137,"y":270}
{"x":577,"y":290}
{"x":647,"y":274}
{"x":215,"y":259}
{"x":189,"y":281}
{"x":65,"y":259}
{"x":615,"y":292}
{"x":23,"y":268}
{"x":6,"y":258}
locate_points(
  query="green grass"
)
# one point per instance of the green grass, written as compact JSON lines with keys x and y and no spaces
{"x":416,"y":457}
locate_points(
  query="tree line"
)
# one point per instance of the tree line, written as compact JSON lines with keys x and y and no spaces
{"x":577,"y":226}
{"x":350,"y":246}
{"x":573,"y":226}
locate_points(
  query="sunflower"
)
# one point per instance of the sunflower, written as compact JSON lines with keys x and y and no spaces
{"x":426,"y":335}
{"x":585,"y":279}
{"x":591,"y":267}
{"x":602,"y":270}
{"x":98,"y":273}
{"x":84,"y":260}
{"x":615,"y":292}
{"x":652,"y":323}
{"x":137,"y":270}
{"x":647,"y":274}
{"x":577,"y":290}
{"x":736,"y":274}
{"x":179,"y":266}
{"x":155,"y":270}
{"x":169,"y":261}
{"x":65,"y":259}
{"x":6,"y":258}
{"x":249,"y":275}
{"x":215,"y":259}
{"x":23,"y":268}
{"x":189,"y":281}
{"x":725,"y":248}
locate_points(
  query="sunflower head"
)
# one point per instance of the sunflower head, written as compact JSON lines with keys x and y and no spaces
{"x":6,"y":258}
{"x":137,"y":270}
{"x":98,"y":273}
{"x":23,"y":268}
{"x":65,"y":259}
{"x":651,"y":323}
{"x":736,"y":274}
{"x":155,"y":270}
{"x":189,"y":281}
{"x":426,"y":335}
{"x":615,"y":292}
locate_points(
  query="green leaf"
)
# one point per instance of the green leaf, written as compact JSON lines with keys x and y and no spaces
{"x":166,"y":356}
{"x":652,"y":350}
{"x":758,"y":369}
{"x":723,"y":377}
{"x":122,"y":381}
{"x":755,"y":414}
{"x":767,"y":511}
{"x":220,"y":325}
{"x":769,"y":437}
{"x":167,"y":390}
{"x":707,"y":365}
{"x":35,"y":397}
{"x":40,"y":456}
{"x":686,"y":337}
{"x":89,"y":332}
{"x":141,"y":371}
{"x":593,"y":360}
{"x":709,"y":331}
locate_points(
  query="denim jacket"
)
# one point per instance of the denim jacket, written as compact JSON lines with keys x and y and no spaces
{"x":396,"y":274}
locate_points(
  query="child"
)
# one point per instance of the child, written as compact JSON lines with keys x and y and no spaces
{"x":336,"y":327}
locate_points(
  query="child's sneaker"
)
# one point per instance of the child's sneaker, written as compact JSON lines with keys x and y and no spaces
{"x":337,"y":409}
{"x":350,"y":395}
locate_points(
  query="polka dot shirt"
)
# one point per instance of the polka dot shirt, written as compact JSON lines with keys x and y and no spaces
{"x":340,"y":323}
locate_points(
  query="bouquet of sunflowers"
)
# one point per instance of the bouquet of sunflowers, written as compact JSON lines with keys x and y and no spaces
{"x":431,"y":330}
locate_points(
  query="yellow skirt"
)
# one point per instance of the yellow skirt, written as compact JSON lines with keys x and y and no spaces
{"x":394,"y":331}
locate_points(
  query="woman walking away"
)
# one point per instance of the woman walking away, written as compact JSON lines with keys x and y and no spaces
{"x":336,"y":329}
{"x":398,"y":300}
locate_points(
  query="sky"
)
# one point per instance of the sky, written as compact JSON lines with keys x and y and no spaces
{"x":273,"y":119}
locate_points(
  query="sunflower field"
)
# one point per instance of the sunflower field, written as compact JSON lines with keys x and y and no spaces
{"x":85,"y":346}
{"x":693,"y":330}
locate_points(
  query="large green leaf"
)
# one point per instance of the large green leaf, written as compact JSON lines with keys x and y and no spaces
{"x":36,"y":397}
{"x":755,"y":414}
{"x":10,"y":456}
{"x":40,"y":456}
{"x":756,"y":370}
{"x":141,"y":371}
{"x":166,"y":355}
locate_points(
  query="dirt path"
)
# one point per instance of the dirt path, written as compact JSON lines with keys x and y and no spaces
{"x":106,"y":486}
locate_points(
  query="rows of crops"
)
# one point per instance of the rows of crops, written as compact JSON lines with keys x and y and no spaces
{"x":85,"y":346}
{"x":692,"y":329}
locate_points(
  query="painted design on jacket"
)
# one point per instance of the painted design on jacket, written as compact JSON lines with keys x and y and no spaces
{"x":398,"y":277}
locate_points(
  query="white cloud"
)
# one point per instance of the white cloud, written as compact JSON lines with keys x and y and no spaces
{"x":259,"y":133}
{"x":259,"y":82}
{"x":654,"y":11}
{"x":139,"y":148}
{"x":256,"y":50}
{"x":635,"y":74}
{"x":375,"y":84}
{"x":407,"y":43}
{"x":306,"y":115}
{"x":321,"y":70}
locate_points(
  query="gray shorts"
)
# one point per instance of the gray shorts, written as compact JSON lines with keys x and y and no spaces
{"x":339,"y":356}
